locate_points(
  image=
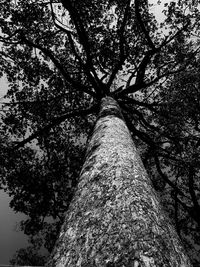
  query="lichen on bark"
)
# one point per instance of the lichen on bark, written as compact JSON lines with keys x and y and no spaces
{"x":115,"y":218}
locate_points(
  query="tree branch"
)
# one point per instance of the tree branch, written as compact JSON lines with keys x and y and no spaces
{"x":165,"y":178}
{"x":141,"y":23}
{"x":168,"y":39}
{"x":56,"y":20}
{"x":60,"y":67}
{"x":143,"y":65}
{"x":122,"y":55}
{"x":93,"y":80}
{"x":55,"y":122}
{"x":150,"y":106}
{"x":83,"y":37}
{"x":136,"y":87}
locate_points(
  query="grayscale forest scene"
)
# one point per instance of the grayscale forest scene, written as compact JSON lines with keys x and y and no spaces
{"x":100,"y":131}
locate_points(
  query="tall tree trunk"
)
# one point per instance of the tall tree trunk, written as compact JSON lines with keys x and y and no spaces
{"x":115,"y":218}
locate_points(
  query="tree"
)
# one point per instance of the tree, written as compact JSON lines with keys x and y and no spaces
{"x":115,"y":218}
{"x":58,"y":72}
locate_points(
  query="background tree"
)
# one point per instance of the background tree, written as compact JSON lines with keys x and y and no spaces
{"x":28,"y":256}
{"x":57,"y":77}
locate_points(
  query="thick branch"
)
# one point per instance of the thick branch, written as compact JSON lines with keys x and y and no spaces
{"x":143,"y":65}
{"x":141,"y":23}
{"x":131,"y":89}
{"x":79,"y":26}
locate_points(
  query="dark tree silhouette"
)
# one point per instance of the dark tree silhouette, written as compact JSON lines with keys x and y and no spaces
{"x":62,"y":59}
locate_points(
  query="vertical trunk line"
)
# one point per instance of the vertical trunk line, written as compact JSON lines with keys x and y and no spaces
{"x":115,"y":218}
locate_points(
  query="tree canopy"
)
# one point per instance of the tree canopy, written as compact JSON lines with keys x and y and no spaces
{"x":60,"y":58}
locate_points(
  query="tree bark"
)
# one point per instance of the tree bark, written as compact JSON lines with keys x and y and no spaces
{"x":115,"y":218}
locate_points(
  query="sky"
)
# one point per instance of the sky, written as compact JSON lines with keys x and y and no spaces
{"x":10,"y":239}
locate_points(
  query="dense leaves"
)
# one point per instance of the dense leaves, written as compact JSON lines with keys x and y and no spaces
{"x":60,"y":58}
{"x":28,"y":257}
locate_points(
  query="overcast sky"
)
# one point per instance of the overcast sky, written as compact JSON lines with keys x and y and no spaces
{"x":10,"y":240}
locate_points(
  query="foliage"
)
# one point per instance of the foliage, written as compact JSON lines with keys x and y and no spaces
{"x":28,"y":257}
{"x":57,"y":74}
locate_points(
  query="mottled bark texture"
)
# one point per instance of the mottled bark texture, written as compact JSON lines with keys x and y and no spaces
{"x":115,"y":219}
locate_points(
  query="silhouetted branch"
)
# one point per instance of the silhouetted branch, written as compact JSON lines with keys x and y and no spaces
{"x":141,"y":23}
{"x":62,"y":28}
{"x":143,"y":65}
{"x":83,"y":37}
{"x":55,"y":122}
{"x":60,"y":67}
{"x":165,"y":178}
{"x":150,"y":106}
{"x":136,"y":87}
{"x":122,"y":55}
{"x":169,"y":38}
